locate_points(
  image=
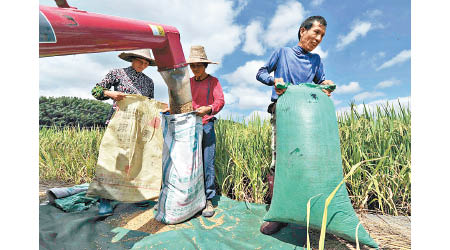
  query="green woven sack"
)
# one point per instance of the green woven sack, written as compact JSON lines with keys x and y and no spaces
{"x":309,"y":165}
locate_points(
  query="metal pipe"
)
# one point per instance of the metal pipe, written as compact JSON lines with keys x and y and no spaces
{"x":180,"y":97}
{"x":67,"y":30}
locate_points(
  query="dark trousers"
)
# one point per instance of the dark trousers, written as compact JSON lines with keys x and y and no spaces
{"x":209,"y":154}
{"x":273,"y":122}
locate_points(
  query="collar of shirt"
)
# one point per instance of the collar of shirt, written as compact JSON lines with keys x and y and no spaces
{"x":299,"y":50}
{"x":202,"y":79}
{"x":132,"y":71}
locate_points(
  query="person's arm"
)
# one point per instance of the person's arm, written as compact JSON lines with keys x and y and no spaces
{"x":218,"y":103}
{"x":151,"y":85}
{"x":219,"y":100}
{"x":115,"y":95}
{"x":319,"y":78}
{"x":263,"y":74}
{"x":101,"y":90}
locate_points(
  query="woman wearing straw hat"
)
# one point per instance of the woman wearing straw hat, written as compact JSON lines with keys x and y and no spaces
{"x":125,"y":81}
{"x":207,"y":100}
{"x":128,"y":80}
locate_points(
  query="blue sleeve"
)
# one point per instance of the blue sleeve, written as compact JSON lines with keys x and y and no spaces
{"x":320,"y":75}
{"x":263,"y":74}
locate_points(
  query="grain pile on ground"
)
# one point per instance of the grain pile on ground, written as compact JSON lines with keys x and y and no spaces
{"x":144,"y":221}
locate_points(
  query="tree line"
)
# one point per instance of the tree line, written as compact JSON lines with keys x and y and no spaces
{"x":72,"y":111}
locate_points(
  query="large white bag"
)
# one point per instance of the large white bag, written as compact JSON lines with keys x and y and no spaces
{"x":129,"y":160}
{"x":183,"y":192}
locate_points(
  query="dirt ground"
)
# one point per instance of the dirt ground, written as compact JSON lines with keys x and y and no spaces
{"x":390,"y":232}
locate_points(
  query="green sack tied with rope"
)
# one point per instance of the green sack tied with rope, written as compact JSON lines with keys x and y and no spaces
{"x":309,"y":165}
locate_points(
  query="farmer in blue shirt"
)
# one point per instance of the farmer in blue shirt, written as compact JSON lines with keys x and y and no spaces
{"x":294,"y":66}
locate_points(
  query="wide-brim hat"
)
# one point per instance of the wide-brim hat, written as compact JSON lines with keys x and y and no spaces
{"x":140,"y":53}
{"x":198,"y":55}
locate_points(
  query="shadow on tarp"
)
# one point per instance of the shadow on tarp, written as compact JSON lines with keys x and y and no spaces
{"x":79,"y":230}
{"x":234,"y":226}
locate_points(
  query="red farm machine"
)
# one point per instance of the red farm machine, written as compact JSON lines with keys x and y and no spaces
{"x":66,"y":30}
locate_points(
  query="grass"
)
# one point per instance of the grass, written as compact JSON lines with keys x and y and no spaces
{"x":243,"y":157}
{"x":68,"y":154}
{"x":385,"y":132}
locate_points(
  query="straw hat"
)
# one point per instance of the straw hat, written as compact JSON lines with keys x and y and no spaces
{"x":140,"y":53}
{"x":198,"y":55}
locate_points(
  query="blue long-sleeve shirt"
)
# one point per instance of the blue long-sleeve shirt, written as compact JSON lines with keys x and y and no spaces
{"x":295,"y":65}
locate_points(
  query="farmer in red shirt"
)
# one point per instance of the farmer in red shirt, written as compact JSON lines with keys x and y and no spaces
{"x":207,"y":100}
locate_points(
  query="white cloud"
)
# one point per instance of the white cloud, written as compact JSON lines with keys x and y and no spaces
{"x":213,"y":24}
{"x":322,"y":54}
{"x":316,"y":2}
{"x":246,"y":74}
{"x":359,"y":29}
{"x":284,"y":25}
{"x":403,"y":56}
{"x":371,"y":106}
{"x":387,"y":83}
{"x":57,"y":92}
{"x":244,"y":91}
{"x":404,"y":101}
{"x":374,"y":13}
{"x":253,"y":37}
{"x":352,"y":87}
{"x":229,"y":98}
{"x":367,"y":95}
{"x":380,"y":54}
{"x":161,"y":91}
{"x":73,"y":75}
{"x":257,"y":113}
{"x":251,"y":98}
{"x":241,"y":5}
{"x":335,"y":101}
{"x":247,"y":98}
{"x":71,"y":71}
{"x":229,"y":113}
{"x":371,"y":59}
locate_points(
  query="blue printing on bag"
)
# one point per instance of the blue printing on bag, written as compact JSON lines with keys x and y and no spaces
{"x":162,"y":204}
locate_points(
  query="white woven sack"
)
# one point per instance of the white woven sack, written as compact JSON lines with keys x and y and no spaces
{"x":182,"y":192}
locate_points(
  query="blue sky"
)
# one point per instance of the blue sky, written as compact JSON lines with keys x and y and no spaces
{"x":366,"y":50}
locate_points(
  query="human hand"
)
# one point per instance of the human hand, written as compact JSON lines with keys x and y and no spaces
{"x":203,"y":110}
{"x":164,"y":110}
{"x":115,"y":95}
{"x":278,"y":90}
{"x":327,"y":82}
